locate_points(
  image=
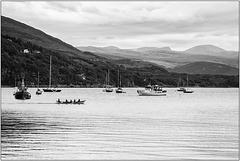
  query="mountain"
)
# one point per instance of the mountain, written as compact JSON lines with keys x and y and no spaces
{"x":211,"y":50}
{"x":167,"y":57}
{"x":206,"y":68}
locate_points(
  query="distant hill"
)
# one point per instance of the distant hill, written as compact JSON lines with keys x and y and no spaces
{"x":147,"y":49}
{"x":206,"y":68}
{"x":211,"y":50}
{"x":167,"y":57}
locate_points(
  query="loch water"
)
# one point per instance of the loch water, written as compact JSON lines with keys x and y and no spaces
{"x":202,"y":125}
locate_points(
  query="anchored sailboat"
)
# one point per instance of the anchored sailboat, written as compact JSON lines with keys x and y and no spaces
{"x":181,"y":89}
{"x":119,"y":89}
{"x":38,"y":92}
{"x":186,"y":90}
{"x":108,"y":87}
{"x":49,"y":89}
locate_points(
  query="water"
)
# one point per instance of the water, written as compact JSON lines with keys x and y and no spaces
{"x":201,"y":125}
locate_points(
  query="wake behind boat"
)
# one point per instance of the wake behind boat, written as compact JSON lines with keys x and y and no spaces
{"x":154,"y":90}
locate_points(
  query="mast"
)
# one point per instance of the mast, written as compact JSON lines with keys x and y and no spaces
{"x":179,"y":81}
{"x":38,"y":79}
{"x":108,"y":78}
{"x":50,"y":71}
{"x":15,"y":82}
{"x":187,"y":80}
{"x":106,"y":81}
{"x":118,"y":79}
{"x":22,"y":85}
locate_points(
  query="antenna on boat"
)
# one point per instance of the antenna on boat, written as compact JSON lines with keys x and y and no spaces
{"x":22,"y":77}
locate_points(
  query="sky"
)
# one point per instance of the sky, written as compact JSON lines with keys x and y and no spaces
{"x":132,"y":24}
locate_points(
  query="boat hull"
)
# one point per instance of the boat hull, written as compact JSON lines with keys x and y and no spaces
{"x":51,"y":90}
{"x":187,"y":91}
{"x":119,"y":90}
{"x":22,"y":95}
{"x":181,"y":89}
{"x":108,"y":90}
{"x":38,"y":92}
{"x":150,"y":93}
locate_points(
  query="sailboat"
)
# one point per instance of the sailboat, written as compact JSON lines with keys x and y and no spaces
{"x":181,"y":89}
{"x":22,"y":92}
{"x":186,"y":90}
{"x":108,"y":87}
{"x":38,"y":92}
{"x":119,"y":89}
{"x":49,"y":89}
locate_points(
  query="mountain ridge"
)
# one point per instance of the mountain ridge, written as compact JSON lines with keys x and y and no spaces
{"x":206,"y":68}
{"x":165,"y":56}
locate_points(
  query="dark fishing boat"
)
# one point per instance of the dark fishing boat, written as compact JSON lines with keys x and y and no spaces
{"x":22,"y":92}
{"x":49,"y":89}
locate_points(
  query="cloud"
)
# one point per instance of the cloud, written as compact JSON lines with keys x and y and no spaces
{"x":132,"y":24}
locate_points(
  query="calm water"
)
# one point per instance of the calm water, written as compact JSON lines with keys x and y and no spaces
{"x":201,"y":125}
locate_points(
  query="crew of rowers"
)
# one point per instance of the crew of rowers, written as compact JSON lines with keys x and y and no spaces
{"x":71,"y":101}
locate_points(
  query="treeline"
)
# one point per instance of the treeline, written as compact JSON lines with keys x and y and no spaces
{"x":19,"y":57}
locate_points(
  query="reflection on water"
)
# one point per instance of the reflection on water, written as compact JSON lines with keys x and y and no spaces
{"x":125,"y":126}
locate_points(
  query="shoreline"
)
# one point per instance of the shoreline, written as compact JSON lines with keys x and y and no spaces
{"x":115,"y":87}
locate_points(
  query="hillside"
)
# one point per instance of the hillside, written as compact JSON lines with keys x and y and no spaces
{"x":69,"y":65}
{"x":29,"y":34}
{"x":28,"y":52}
{"x":206,"y":68}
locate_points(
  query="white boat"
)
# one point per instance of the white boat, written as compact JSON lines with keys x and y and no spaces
{"x":154,"y":90}
{"x":186,"y":90}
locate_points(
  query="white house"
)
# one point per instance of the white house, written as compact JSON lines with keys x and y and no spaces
{"x":26,"y":51}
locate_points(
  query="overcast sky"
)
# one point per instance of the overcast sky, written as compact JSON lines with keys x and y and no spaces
{"x":178,"y":25}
